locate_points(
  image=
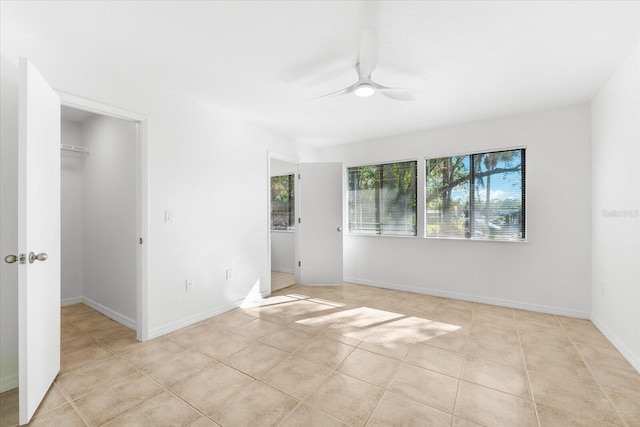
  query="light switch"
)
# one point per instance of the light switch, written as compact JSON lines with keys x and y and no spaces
{"x":168,"y":217}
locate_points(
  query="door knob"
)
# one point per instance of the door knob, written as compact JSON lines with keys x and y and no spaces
{"x":339,"y":229}
{"x":40,"y":257}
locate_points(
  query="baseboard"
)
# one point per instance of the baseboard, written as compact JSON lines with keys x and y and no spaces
{"x":283,"y":270}
{"x":120,"y":318}
{"x":70,"y":301}
{"x":473,"y":298}
{"x":190,"y":320}
{"x":8,"y":382}
{"x":633,"y":359}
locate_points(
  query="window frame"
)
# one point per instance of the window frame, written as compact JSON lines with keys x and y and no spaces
{"x":524,"y":203}
{"x":417,"y":195}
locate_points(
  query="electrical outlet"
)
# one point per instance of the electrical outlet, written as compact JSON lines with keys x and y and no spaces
{"x":168,"y":217}
{"x":229,"y":275}
{"x":188,"y":285}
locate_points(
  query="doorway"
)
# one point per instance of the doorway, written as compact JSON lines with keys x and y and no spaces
{"x":104,"y":254}
{"x":98,"y":213}
{"x":282,"y":221}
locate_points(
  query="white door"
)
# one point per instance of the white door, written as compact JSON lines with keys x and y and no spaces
{"x":38,"y":233}
{"x":320,"y":227}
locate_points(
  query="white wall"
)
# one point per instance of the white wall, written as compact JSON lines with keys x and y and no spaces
{"x":615,"y":263}
{"x":548,"y":273}
{"x":282,"y":242}
{"x":72,"y":165}
{"x":207,"y":164}
{"x":109,"y":216}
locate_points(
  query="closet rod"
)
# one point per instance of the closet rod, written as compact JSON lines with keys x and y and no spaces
{"x":74,"y":148}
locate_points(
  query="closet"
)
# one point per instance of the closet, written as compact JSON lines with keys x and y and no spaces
{"x":98,"y":213}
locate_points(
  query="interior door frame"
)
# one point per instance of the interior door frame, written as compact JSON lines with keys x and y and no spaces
{"x":272,"y":155}
{"x":142,"y":199}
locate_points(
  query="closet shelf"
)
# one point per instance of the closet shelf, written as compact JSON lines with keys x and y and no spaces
{"x":74,"y":148}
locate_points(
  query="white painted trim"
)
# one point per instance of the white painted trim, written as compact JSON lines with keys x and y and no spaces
{"x":633,"y":359}
{"x":142,"y":198}
{"x":120,"y":318}
{"x":190,"y":320}
{"x":70,"y":301}
{"x":8,"y":382}
{"x":85,"y":104}
{"x":283,"y":270}
{"x":473,"y":298}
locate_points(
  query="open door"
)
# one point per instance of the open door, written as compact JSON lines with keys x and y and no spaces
{"x":38,"y":239}
{"x":320,"y":226}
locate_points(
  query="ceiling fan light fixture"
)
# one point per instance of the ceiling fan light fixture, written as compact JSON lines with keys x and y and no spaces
{"x":364,"y":89}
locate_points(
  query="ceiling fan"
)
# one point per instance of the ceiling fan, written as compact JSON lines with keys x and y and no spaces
{"x":365,"y":66}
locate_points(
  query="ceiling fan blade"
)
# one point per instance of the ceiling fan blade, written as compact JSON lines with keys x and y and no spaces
{"x":368,"y":53}
{"x":398,"y":94}
{"x":344,"y":91}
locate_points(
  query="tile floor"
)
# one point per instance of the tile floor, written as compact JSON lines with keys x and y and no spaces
{"x":336,"y":356}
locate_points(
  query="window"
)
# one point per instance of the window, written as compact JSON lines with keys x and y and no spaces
{"x":282,"y":202}
{"x":383,"y":199}
{"x":476,"y":196}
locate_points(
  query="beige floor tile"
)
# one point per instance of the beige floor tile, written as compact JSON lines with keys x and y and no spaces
{"x":9,"y":408}
{"x":490,"y":407}
{"x":203,"y":422}
{"x":109,"y":402}
{"x":573,"y":397}
{"x":211,"y":386}
{"x":68,"y":332}
{"x":180,"y":367}
{"x":583,"y":331}
{"x":223,"y":346}
{"x":619,"y":380}
{"x":370,"y":367}
{"x":86,"y":380}
{"x":112,"y":332}
{"x":436,"y":359}
{"x":161,"y":410}
{"x":459,"y":422}
{"x":257,"y":329}
{"x":287,"y":339}
{"x":120,"y":344}
{"x":411,"y":329}
{"x":324,"y":351}
{"x":347,"y":334}
{"x":454,"y":341}
{"x":380,"y":345}
{"x":63,"y":416}
{"x":346,"y":398}
{"x":628,"y":406}
{"x":230,"y":319}
{"x":396,"y":410}
{"x":497,"y":351}
{"x":195,"y":335}
{"x":95,"y":323}
{"x":255,"y":359}
{"x":296,"y":377}
{"x":507,"y":378}
{"x":424,"y":386}
{"x":257,"y":404}
{"x":153,"y":354}
{"x":79,"y":357}
{"x":305,"y":416}
{"x":553,"y":417}
{"x":597,"y":356}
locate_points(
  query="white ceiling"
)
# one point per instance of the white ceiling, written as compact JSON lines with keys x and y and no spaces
{"x":468,"y":60}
